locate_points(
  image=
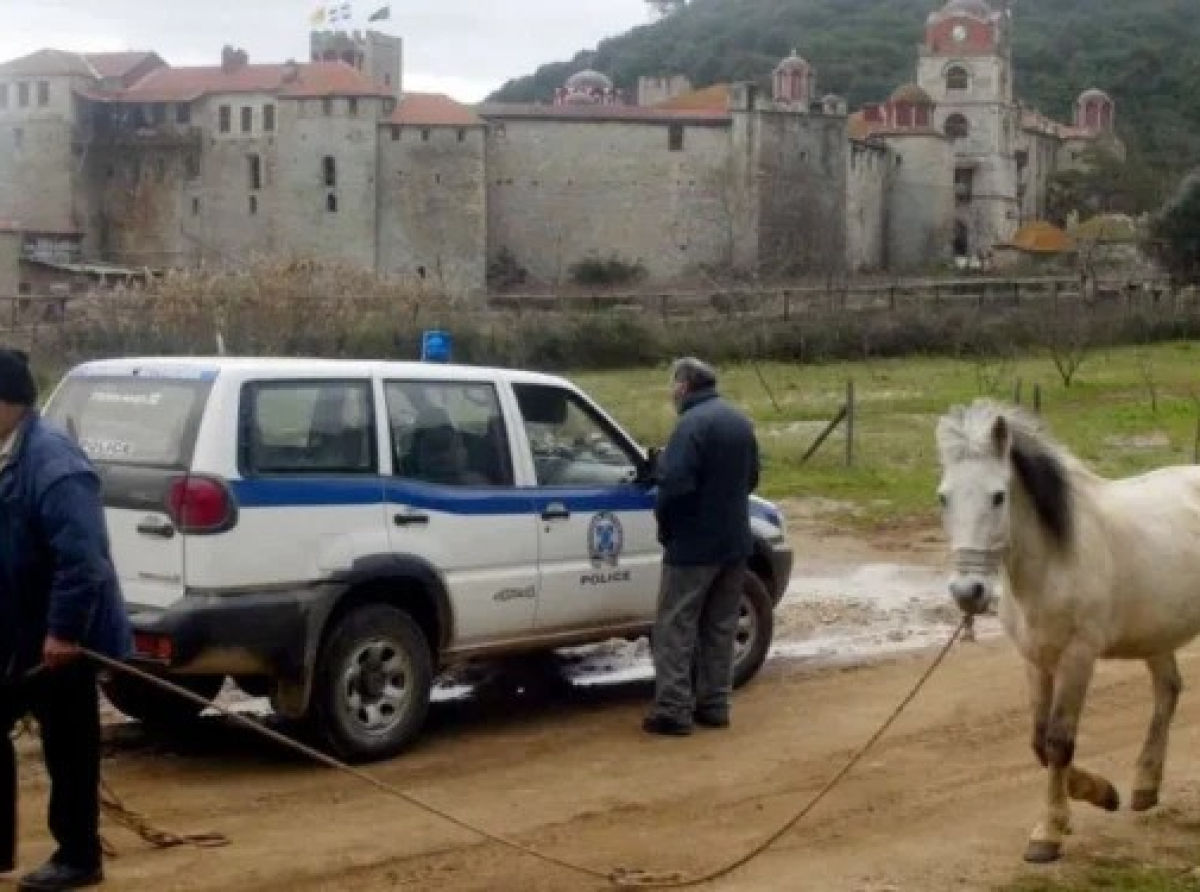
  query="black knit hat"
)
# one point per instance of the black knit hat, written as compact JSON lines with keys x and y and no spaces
{"x":17,"y":387}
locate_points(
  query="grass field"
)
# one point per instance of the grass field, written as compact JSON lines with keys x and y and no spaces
{"x":1128,"y":409}
{"x":1111,"y":879}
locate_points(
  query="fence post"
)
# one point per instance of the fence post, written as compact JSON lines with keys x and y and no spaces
{"x":851,"y":412}
{"x":1037,"y":399}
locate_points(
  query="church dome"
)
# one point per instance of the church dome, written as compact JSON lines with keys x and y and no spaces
{"x":976,"y":9}
{"x":912,"y":93}
{"x":588,"y":80}
{"x":1094,"y":94}
{"x":794,"y":62}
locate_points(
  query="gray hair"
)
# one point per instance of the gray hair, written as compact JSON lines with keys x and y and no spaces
{"x":694,"y":373}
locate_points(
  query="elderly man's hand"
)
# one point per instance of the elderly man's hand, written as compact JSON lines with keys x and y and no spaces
{"x":56,"y":652}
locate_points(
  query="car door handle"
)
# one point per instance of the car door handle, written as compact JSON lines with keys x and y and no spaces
{"x":410,"y":518}
{"x":160,"y":529}
{"x":555,"y":511}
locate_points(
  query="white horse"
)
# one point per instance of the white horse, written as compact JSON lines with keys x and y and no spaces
{"x":1094,"y":568}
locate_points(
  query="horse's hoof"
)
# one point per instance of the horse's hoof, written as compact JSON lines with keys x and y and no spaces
{"x":1043,"y":851}
{"x":1144,"y":800}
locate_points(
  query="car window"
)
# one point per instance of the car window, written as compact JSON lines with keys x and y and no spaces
{"x":320,"y":427}
{"x":132,"y":421}
{"x":571,"y":445}
{"x":450,"y":434}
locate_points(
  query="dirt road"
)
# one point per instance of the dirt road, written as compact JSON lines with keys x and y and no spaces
{"x":945,"y":802}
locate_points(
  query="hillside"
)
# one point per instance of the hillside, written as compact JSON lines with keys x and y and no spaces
{"x":1142,"y":53}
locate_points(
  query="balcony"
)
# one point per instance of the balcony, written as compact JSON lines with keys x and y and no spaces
{"x":161,"y":135}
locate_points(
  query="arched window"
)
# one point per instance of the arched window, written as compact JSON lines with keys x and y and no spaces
{"x":957,"y":127}
{"x":958,"y":78}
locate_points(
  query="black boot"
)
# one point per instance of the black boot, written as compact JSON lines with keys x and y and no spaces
{"x":52,"y":876}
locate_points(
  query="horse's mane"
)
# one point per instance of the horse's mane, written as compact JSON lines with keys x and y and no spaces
{"x":1045,"y":470}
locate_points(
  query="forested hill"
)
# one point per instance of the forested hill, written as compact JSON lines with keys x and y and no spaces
{"x":1143,"y":52}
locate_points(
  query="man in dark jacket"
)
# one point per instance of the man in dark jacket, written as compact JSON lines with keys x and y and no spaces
{"x":58,"y":592}
{"x":705,"y":477}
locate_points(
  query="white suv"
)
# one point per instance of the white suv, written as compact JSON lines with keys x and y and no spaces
{"x":335,"y":533}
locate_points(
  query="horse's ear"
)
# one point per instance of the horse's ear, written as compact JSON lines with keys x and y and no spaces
{"x":1001,"y":436}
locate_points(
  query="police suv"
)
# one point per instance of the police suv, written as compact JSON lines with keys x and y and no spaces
{"x":333,"y":534}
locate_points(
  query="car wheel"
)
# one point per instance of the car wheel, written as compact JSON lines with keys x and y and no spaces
{"x":756,"y":627}
{"x":372,"y":684}
{"x":154,"y":706}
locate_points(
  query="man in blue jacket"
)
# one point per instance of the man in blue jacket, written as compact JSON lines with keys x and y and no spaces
{"x":58,"y":592}
{"x":705,"y":477}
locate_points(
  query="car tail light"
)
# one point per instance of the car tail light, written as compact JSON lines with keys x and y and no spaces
{"x":153,"y":647}
{"x":201,"y":505}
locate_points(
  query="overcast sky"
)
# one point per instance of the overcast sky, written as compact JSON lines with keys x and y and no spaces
{"x":466,"y":48}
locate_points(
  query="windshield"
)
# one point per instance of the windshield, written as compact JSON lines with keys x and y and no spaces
{"x":131,"y":421}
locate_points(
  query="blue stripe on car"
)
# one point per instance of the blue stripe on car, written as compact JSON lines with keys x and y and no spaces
{"x":328,"y":492}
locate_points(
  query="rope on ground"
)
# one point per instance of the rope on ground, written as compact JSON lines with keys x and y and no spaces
{"x":621,"y":877}
{"x":115,"y":809}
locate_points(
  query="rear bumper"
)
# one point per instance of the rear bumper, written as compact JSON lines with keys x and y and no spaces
{"x":245,"y":633}
{"x":781,"y":558}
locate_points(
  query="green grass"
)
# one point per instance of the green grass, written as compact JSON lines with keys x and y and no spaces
{"x":1109,"y":879}
{"x":1100,"y":417}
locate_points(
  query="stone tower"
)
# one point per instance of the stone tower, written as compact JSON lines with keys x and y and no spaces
{"x":379,"y":56}
{"x":966,"y":68}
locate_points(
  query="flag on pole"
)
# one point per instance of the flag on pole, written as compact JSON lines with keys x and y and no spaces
{"x":318,"y":16}
{"x":384,"y":12}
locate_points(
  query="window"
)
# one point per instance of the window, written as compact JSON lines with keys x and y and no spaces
{"x":331,"y":203}
{"x":571,"y":445}
{"x":253,"y":204}
{"x":425,"y":135}
{"x":462,"y":135}
{"x":195,"y":207}
{"x":183,"y":113}
{"x":158,"y":114}
{"x":448,"y":434}
{"x":395,"y":132}
{"x":24,"y":288}
{"x":224,"y":113}
{"x":254,"y":163}
{"x":247,"y":119}
{"x":3,"y":95}
{"x":193,"y":166}
{"x":964,"y":184}
{"x":352,"y":104}
{"x":322,"y":427}
{"x":675,"y":138}
{"x":18,"y":138}
{"x":43,"y":93}
{"x":269,"y":118}
{"x":23,"y":95}
{"x":957,"y":127}
{"x":131,"y":421}
{"x":327,"y":106}
{"x":958,"y":78}
{"x":387,"y":79}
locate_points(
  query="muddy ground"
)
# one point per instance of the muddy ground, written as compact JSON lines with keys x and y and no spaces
{"x":944,"y":802}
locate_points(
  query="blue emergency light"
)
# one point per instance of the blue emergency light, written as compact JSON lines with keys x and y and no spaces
{"x":436,"y":346}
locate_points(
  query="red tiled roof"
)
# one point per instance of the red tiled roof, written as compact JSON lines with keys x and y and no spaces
{"x":48,"y":63}
{"x":631,"y":113}
{"x":714,"y":99}
{"x":433,"y":110}
{"x":117,"y":66}
{"x":311,"y":80}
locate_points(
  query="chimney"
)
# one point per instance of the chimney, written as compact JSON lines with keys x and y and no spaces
{"x":291,"y":72}
{"x":233,"y":59}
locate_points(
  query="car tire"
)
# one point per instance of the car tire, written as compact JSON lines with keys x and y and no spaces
{"x":156,"y":707}
{"x":372,"y":684}
{"x":756,"y":628}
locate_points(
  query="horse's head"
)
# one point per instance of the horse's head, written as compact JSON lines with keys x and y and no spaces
{"x":989,"y":454}
{"x":975,"y":447}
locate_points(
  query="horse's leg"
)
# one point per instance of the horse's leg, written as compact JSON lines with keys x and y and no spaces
{"x":1071,"y":681}
{"x":1081,"y":785}
{"x":1164,"y":672}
